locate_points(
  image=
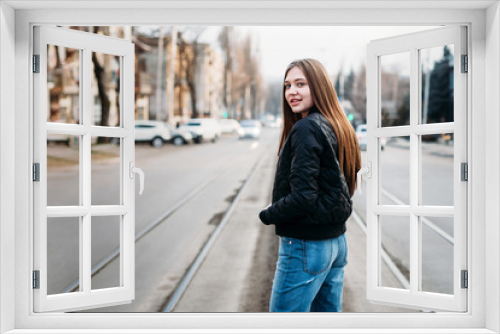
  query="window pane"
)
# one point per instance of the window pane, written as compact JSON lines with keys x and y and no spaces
{"x":437,"y":84}
{"x":395,"y":241}
{"x":63,"y":84}
{"x":105,"y":239}
{"x":395,"y":89}
{"x":395,"y":171}
{"x":106,"y":186}
{"x":437,"y":169}
{"x":63,"y":253}
{"x":437,"y":254}
{"x":105,"y":89}
{"x":63,"y":170}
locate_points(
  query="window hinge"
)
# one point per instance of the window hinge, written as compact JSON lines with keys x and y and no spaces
{"x":36,"y":63}
{"x":465,"y":171}
{"x":465,"y":279}
{"x":36,"y":172}
{"x":465,"y":64}
{"x":36,"y":279}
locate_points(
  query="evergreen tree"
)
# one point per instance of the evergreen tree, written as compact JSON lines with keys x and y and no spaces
{"x":441,"y":90}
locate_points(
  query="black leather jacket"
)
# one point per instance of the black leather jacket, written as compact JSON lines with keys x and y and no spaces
{"x":311,"y":198}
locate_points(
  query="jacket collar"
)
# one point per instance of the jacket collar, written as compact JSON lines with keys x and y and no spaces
{"x":313,"y":110}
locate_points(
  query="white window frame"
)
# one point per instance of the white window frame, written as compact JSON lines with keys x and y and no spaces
{"x":412,"y":213}
{"x":86,"y":297}
{"x":484,"y":211}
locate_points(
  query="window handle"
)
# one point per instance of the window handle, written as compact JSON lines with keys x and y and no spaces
{"x":363,"y":171}
{"x":134,"y":170}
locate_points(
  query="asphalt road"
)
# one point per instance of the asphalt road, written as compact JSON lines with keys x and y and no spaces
{"x":163,"y":256}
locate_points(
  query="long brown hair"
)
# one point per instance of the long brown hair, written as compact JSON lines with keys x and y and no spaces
{"x":326,"y":101}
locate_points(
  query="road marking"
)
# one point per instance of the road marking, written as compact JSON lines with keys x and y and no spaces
{"x":385,"y":257}
{"x":254,"y":146}
{"x":424,"y":220}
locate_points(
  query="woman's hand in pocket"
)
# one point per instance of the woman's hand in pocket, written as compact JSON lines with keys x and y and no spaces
{"x":263,"y":215}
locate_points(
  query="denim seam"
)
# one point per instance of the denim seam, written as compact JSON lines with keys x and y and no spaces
{"x":287,"y":265}
{"x":346,"y":250}
{"x":289,"y":255}
{"x":345,"y":253}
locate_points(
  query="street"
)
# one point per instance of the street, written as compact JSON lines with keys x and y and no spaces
{"x":199,"y":182}
{"x":164,"y":254}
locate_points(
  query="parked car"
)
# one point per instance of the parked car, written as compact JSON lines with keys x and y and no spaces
{"x":179,"y":137}
{"x":272,"y":123}
{"x":361,"y":133}
{"x":157,"y":132}
{"x":229,"y":125}
{"x":203,"y":129}
{"x":250,"y":128}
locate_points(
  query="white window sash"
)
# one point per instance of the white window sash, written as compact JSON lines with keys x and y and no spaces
{"x":414,"y":298}
{"x":86,"y":297}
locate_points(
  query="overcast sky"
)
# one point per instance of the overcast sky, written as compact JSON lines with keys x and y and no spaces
{"x":336,"y":47}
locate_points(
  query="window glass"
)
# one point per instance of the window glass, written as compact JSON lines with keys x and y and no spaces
{"x":63,"y":254}
{"x":395,"y":170}
{"x":437,"y":72}
{"x":106,"y":171}
{"x":106,"y":241}
{"x":63,"y":169}
{"x":105,"y":89}
{"x":437,"y":169}
{"x":437,"y":254}
{"x":395,"y":248}
{"x":395,"y":89}
{"x":63,"y":84}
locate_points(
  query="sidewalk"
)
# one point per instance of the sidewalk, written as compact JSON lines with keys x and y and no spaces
{"x":237,"y":274}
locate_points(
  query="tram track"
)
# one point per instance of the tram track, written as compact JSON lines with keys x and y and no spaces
{"x":176,"y":295}
{"x":105,"y":261}
{"x":163,"y":218}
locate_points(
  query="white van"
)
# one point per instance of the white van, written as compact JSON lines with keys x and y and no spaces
{"x":204,"y":128}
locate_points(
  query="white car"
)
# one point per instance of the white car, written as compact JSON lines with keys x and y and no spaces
{"x":203,"y":129}
{"x":229,"y":125}
{"x":157,"y":132}
{"x":361,"y":133}
{"x":250,"y":128}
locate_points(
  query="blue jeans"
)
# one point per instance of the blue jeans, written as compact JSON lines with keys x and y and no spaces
{"x":309,"y":275}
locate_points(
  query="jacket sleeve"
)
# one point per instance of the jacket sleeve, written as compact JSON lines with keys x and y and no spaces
{"x":306,"y":149}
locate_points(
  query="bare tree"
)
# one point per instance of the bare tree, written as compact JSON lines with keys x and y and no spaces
{"x":358,"y":97}
{"x":248,"y":81}
{"x":102,"y":89}
{"x":273,"y":100}
{"x":226,"y":40}
{"x":189,"y":52}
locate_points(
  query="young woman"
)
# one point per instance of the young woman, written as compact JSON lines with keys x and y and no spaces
{"x":315,"y":178}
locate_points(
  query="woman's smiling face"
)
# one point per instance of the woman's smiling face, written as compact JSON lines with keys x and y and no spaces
{"x":297,"y":92}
